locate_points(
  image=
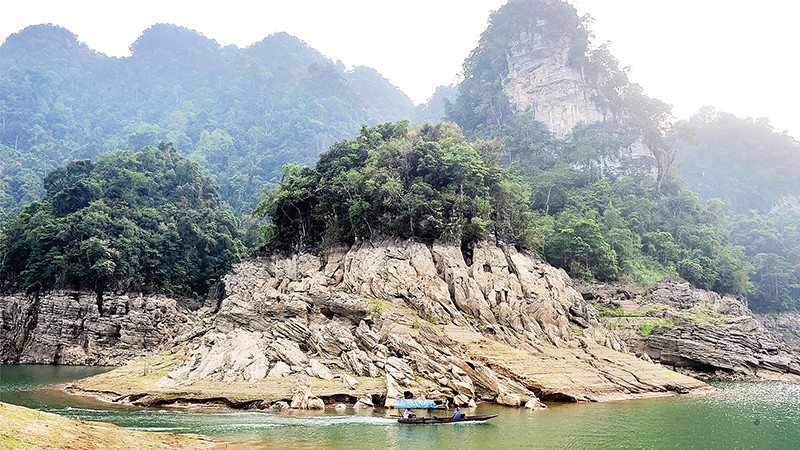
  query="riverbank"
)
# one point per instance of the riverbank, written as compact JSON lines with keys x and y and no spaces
{"x":588,"y":373}
{"x":699,"y":333}
{"x":738,"y":415}
{"x":23,"y":428}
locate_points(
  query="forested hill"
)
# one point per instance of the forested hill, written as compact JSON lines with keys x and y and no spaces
{"x":240,"y":113}
{"x":754,"y":170}
{"x":742,"y":161}
{"x":596,"y":151}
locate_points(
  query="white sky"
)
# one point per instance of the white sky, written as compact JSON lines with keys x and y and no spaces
{"x":733,"y":54}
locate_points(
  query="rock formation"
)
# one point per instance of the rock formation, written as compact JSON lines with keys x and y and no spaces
{"x":786,"y":325}
{"x":372,"y":323}
{"x":65,"y":328}
{"x":700,"y":332}
{"x":541,"y":78}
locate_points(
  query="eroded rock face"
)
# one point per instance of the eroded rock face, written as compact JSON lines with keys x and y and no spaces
{"x":707,"y":335}
{"x":541,"y":78}
{"x":418,"y":316}
{"x":544,"y":82}
{"x":785,"y":325}
{"x":64,"y":328}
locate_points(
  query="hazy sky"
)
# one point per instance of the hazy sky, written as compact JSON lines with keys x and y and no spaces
{"x":738,"y":56}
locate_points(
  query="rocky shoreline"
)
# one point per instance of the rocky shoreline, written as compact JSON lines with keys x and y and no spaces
{"x":363,"y":326}
{"x":698,"y":332}
{"x":68,"y":328}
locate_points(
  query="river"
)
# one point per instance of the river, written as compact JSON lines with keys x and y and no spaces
{"x":740,"y":415}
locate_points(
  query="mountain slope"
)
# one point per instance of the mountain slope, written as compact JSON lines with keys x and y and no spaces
{"x":241,"y":113}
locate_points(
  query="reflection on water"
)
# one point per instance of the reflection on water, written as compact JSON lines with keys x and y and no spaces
{"x":742,"y":415}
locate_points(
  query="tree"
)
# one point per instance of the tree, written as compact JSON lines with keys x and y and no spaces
{"x":131,"y":221}
{"x":424,"y":183}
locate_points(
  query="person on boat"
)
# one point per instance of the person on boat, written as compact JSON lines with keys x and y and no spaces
{"x":407,"y":414}
{"x":458,"y":414}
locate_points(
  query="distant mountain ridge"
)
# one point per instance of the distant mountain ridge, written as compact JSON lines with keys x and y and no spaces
{"x":241,"y":113}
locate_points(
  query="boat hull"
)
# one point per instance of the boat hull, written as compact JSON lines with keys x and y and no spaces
{"x":435,"y":420}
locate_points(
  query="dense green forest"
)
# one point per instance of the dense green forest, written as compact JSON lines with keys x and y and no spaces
{"x":754,"y":170}
{"x":426,"y":183}
{"x":146,"y":221}
{"x":240,"y":113}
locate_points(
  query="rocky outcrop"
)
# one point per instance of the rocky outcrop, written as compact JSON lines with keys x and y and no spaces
{"x":381,"y":320}
{"x":541,"y":78}
{"x":786,"y":325}
{"x":699,"y":332}
{"x":68,"y":328}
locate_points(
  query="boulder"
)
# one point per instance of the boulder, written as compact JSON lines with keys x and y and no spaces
{"x":461,"y":400}
{"x":304,"y":399}
{"x":508,"y":399}
{"x":280,"y":369}
{"x":279,"y":406}
{"x":364,"y":403}
{"x":319,"y":370}
{"x":290,"y":352}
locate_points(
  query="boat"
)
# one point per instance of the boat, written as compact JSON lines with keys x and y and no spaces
{"x":434,"y":420}
{"x":430,"y":405}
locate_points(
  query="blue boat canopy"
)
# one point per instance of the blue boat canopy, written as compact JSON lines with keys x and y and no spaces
{"x":416,"y":403}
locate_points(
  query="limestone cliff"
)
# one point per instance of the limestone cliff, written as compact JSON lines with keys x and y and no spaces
{"x":66,"y":328}
{"x":540,"y":77}
{"x":377,"y":320}
{"x":698,"y":332}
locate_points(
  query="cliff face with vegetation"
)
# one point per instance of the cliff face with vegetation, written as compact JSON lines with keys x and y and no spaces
{"x":542,"y":80}
{"x":607,"y":200}
{"x":368,"y":323}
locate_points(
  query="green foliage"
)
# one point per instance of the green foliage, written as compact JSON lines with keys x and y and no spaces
{"x":427,"y":183}
{"x":240,"y":113}
{"x":579,"y":246}
{"x":772,"y":243}
{"x":618,"y":228}
{"x":758,"y":184}
{"x":615,"y":311}
{"x":646,"y":327}
{"x":139,"y":221}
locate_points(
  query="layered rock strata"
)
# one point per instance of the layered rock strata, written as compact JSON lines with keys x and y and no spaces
{"x":699,"y":332}
{"x":68,"y":328}
{"x":378,"y":321}
{"x":786,"y":325}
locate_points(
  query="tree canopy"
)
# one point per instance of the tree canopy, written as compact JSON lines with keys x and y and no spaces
{"x":145,"y":221}
{"x":240,"y":113}
{"x":426,"y":183}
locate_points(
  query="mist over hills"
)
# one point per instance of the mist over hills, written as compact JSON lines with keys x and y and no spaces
{"x":241,"y":113}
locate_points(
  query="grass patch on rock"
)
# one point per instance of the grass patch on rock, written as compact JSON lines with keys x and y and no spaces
{"x":647,"y":327}
{"x":616,"y":311}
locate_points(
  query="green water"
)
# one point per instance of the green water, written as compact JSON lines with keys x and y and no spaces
{"x":741,"y":415}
